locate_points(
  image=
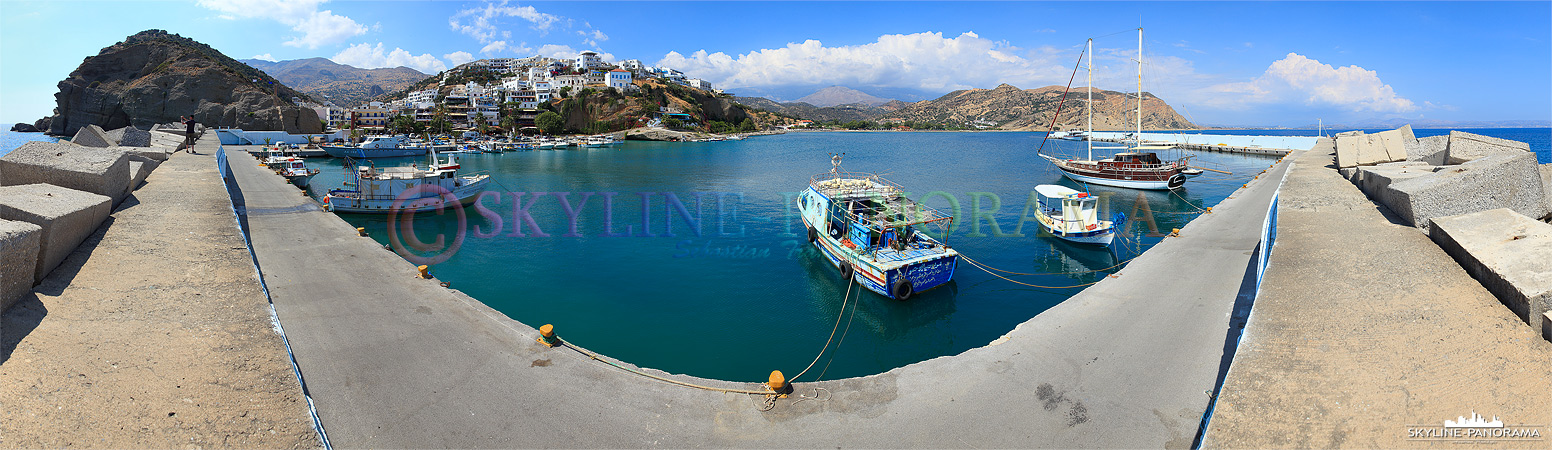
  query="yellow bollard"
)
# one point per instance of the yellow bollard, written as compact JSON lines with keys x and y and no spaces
{"x":778,"y":383}
{"x":361,"y":231}
{"x":425,"y":272}
{"x":1175,"y":233}
{"x":1209,"y":209}
{"x":547,"y":336}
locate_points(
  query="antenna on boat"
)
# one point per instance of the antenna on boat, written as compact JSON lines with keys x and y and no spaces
{"x":835,"y":160}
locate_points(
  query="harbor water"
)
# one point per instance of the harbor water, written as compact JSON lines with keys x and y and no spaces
{"x":730,"y":289}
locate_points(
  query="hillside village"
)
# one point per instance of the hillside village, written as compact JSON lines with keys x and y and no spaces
{"x":509,"y":94}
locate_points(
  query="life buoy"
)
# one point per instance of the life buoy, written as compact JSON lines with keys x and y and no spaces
{"x":902,"y":289}
{"x":846,"y":270}
{"x":835,"y":232}
{"x":812,"y":235}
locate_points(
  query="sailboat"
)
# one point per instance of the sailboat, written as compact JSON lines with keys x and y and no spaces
{"x":1136,"y":167}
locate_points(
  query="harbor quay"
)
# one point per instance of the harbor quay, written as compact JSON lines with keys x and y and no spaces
{"x":1311,"y":315}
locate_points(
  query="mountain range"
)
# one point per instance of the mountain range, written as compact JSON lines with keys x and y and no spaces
{"x":841,"y":95}
{"x":344,"y":85}
{"x":1005,"y":107}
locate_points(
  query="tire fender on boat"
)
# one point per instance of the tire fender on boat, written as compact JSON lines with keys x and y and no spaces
{"x":902,"y":290}
{"x":812,"y":235}
{"x":846,"y":270}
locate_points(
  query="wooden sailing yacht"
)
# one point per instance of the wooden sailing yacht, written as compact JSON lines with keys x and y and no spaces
{"x":1138,"y":166}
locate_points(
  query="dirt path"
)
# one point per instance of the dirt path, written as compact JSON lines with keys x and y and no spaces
{"x":154,"y":333}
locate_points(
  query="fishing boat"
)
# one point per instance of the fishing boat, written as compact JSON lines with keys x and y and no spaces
{"x":297,"y":172}
{"x":369,"y":189}
{"x":873,"y":234}
{"x":1071,"y":215}
{"x":1136,"y":167}
{"x":593,"y":142}
{"x":375,"y":147}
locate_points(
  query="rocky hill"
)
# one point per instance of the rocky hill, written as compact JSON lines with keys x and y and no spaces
{"x":155,"y":77}
{"x":1011,"y":108}
{"x":841,"y":95}
{"x":604,"y":110}
{"x":837,"y":113}
{"x":344,"y":85}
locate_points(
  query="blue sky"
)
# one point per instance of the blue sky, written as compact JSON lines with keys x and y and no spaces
{"x":1226,"y":63}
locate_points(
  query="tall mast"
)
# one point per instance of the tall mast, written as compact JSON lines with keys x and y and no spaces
{"x":1089,"y":138}
{"x":1139,"y":86}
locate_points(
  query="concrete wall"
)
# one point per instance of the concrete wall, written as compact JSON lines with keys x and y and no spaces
{"x":1271,"y":142}
{"x":19,"y":243}
{"x":240,"y":137}
{"x":66,"y":216}
{"x":1511,"y":255}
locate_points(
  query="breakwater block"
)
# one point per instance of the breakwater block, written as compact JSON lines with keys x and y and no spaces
{"x":1355,"y":149}
{"x":19,"y":243}
{"x":116,"y":135}
{"x":1507,"y":252}
{"x":1546,"y":326}
{"x":92,"y":136}
{"x":140,"y":169}
{"x":67,"y":216}
{"x":134,"y":137}
{"x":165,"y":139}
{"x":1501,"y":181}
{"x":67,"y":165}
{"x":152,"y":153}
{"x":1432,"y":150}
{"x":1466,"y":147}
{"x":1546,"y":188}
{"x":1373,"y":180}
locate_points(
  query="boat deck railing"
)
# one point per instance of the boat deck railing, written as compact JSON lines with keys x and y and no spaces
{"x":840,"y":184}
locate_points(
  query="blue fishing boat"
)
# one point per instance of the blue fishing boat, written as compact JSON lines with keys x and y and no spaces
{"x":874,"y":235}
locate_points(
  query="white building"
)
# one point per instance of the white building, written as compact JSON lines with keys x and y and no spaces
{"x":619,"y":78}
{"x":590,"y":60}
{"x":636,"y":68}
{"x":422,"y":96}
{"x":698,"y":84}
{"x":570,"y":80}
{"x":542,"y":91}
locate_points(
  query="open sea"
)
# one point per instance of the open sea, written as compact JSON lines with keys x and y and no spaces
{"x":728,"y":288}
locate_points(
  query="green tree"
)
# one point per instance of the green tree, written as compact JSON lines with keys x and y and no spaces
{"x":403,"y":124}
{"x":549,"y":122}
{"x":564,"y":91}
{"x":746,"y":125}
{"x":672,"y":123}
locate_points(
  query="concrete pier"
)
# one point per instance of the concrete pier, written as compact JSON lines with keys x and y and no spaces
{"x":153,"y":333}
{"x":1366,"y":330}
{"x":393,"y":360}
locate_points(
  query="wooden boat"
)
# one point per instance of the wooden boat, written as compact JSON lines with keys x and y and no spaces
{"x":1137,"y":167}
{"x":872,"y":233}
{"x":1071,"y":215}
{"x":375,"y":147}
{"x":297,"y":172}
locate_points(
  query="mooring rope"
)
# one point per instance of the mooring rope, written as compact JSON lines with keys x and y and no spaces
{"x":978,"y":266}
{"x":837,"y":326}
{"x":596,"y":357}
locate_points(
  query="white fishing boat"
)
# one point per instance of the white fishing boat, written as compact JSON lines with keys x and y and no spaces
{"x":297,"y":172}
{"x":375,"y":147}
{"x":373,"y":190}
{"x":1071,"y":215}
{"x":869,"y":230}
{"x":593,"y":142}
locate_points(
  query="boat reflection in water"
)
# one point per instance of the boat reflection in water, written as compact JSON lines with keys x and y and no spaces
{"x":883,"y":317}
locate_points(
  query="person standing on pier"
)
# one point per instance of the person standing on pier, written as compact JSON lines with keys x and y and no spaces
{"x":188,"y":140}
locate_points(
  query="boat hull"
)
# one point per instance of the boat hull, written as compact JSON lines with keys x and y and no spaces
{"x":466,"y":195}
{"x":1170,"y":183}
{"x":357,"y":152}
{"x":880,"y":278}
{"x":1096,"y":237}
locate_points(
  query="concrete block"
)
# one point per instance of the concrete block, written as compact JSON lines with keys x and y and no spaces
{"x":1347,"y":146}
{"x":1467,"y":146}
{"x":140,"y":170}
{"x":1508,"y":253}
{"x":19,"y":243}
{"x":1393,"y":143}
{"x":1546,"y":326}
{"x":1501,"y":181}
{"x":1431,"y":150}
{"x":1546,"y":188}
{"x":166,"y":139}
{"x":91,"y":136}
{"x":85,"y":169}
{"x":135,"y":137}
{"x":116,"y":135}
{"x":67,"y":216}
{"x":1373,"y":180}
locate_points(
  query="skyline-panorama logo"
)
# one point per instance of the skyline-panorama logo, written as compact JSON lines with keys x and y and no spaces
{"x":1474,"y":428}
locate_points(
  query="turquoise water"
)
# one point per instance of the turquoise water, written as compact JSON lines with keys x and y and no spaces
{"x":746,"y":295}
{"x":11,"y":139}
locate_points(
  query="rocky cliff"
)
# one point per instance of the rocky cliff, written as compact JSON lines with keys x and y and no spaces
{"x":155,"y":77}
{"x":1011,"y":108}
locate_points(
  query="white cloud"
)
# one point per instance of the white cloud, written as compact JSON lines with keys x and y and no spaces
{"x":1298,"y":78}
{"x":457,"y":58}
{"x":367,"y":56}
{"x":482,"y":23}
{"x":265,"y":57}
{"x":494,"y":47}
{"x":926,"y":61}
{"x":317,"y":28}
